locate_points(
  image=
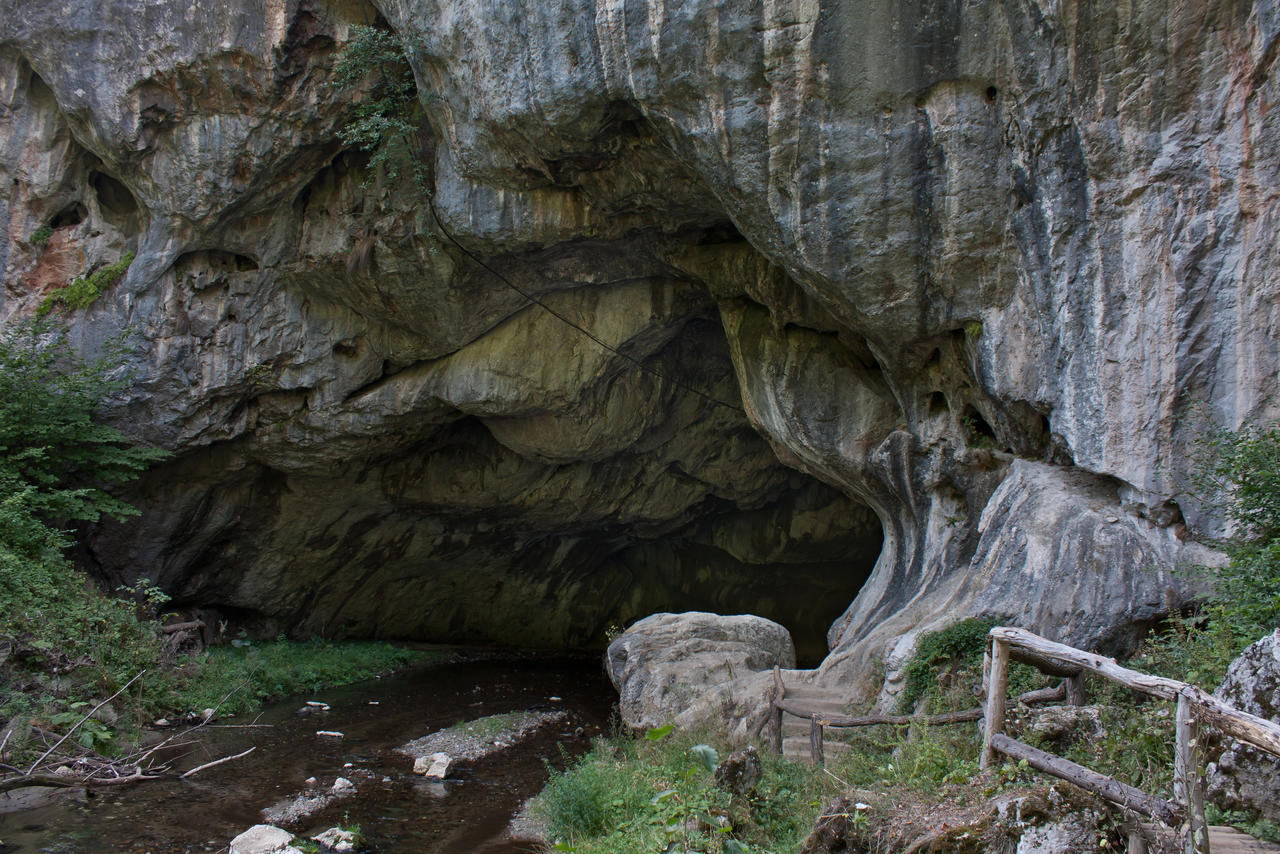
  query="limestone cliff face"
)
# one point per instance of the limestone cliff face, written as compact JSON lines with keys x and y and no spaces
{"x":976,"y":272}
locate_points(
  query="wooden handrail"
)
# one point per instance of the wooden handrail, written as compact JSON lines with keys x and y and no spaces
{"x":819,"y":720}
{"x":1009,"y":643}
{"x":1092,"y":781}
{"x":1258,"y":732}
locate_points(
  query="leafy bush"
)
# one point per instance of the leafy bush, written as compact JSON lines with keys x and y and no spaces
{"x":1242,"y":469}
{"x":52,"y":451}
{"x":82,"y":292}
{"x":656,"y":794}
{"x":68,"y":643}
{"x":41,"y":235}
{"x":389,"y":117}
{"x":959,"y":645}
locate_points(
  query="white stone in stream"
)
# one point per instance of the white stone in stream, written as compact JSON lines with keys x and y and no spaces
{"x":434,"y":767}
{"x":264,"y":839}
{"x":343,"y":786}
{"x":336,"y":839}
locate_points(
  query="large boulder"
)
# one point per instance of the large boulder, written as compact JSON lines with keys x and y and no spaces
{"x":667,"y":665}
{"x":1244,"y":778}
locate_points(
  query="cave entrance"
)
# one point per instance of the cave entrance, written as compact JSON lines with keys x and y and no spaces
{"x":514,"y":491}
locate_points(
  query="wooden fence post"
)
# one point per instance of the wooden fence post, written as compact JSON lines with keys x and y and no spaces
{"x":997,"y":688}
{"x":1188,"y":787}
{"x":815,"y":741}
{"x":775,"y":711}
{"x":1075,"y":690}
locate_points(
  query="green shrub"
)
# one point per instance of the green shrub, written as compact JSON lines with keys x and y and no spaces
{"x":958,"y":646}
{"x":82,"y":292}
{"x":388,"y":115}
{"x":41,"y":235}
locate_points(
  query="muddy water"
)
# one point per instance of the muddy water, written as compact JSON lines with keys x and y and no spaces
{"x":397,"y":811}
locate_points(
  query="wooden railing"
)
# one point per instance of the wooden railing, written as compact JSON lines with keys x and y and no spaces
{"x":818,"y":721}
{"x":1195,"y":709}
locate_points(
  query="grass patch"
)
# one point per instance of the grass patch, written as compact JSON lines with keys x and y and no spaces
{"x":257,"y":674}
{"x":637,"y":794}
{"x":489,"y":726}
{"x":83,"y":291}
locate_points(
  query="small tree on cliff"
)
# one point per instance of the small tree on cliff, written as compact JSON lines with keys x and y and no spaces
{"x":55,"y":459}
{"x":388,"y":117}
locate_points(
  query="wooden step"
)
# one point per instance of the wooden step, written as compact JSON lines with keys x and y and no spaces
{"x":822,"y":707}
{"x":798,"y":748}
{"x":1222,"y":840}
{"x":1228,"y":840}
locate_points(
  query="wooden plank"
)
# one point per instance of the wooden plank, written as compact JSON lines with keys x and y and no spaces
{"x":1089,"y":780}
{"x":801,"y":710}
{"x":1253,"y":730}
{"x":815,"y":741}
{"x":1187,"y":788}
{"x":1228,"y":840}
{"x":997,"y":689}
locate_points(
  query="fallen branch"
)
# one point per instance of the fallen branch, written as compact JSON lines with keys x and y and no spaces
{"x":44,"y":755}
{"x":216,"y":762}
{"x":25,"y":781}
{"x":55,"y":781}
{"x":181,"y":627}
{"x":190,"y":730}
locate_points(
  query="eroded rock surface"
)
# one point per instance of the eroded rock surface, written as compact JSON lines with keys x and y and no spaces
{"x":1243,"y":778}
{"x":970,"y":279}
{"x":668,"y":667}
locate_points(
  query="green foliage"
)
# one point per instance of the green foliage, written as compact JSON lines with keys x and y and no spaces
{"x":388,"y":117}
{"x":973,"y":329}
{"x":640,"y":794}
{"x":82,"y":292}
{"x":707,"y":755}
{"x":41,"y":235}
{"x":490,"y":725}
{"x":959,"y":645}
{"x":52,"y":452}
{"x":257,"y":673}
{"x":1264,"y":829}
{"x":69,"y":642}
{"x":1241,"y":469}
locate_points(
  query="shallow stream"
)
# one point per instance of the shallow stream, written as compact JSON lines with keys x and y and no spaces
{"x":396,"y":811}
